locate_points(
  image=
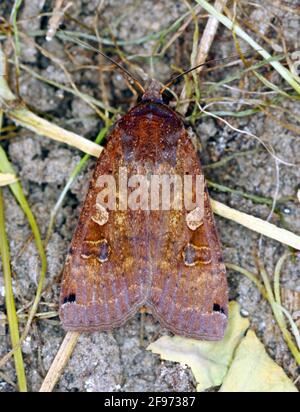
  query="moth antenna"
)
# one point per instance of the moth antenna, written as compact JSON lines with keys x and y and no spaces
{"x":173,"y":79}
{"x":92,"y":48}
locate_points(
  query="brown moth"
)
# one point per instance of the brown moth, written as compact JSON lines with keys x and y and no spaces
{"x":169,"y":261}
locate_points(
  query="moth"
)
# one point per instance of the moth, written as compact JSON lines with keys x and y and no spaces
{"x":167,"y":260}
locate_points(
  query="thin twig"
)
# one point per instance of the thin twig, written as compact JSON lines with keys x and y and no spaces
{"x":277,"y":311}
{"x":19,"y":113}
{"x":257,"y":225}
{"x":40,"y":126}
{"x":181,"y":29}
{"x":84,"y":96}
{"x":284,"y":73}
{"x":203,"y":49}
{"x":56,"y":18}
{"x":267,"y":146}
{"x":266,"y":291}
{"x":60,"y":361}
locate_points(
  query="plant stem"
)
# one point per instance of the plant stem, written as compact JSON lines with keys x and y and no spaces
{"x":285,"y":74}
{"x":10,"y":303}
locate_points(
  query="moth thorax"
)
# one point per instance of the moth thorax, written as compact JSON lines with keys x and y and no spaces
{"x":153,"y":92}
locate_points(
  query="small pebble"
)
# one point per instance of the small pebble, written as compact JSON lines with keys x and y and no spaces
{"x":244,"y":313}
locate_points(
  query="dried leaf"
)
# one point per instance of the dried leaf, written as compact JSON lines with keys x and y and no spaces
{"x":209,"y":361}
{"x":252,"y":370}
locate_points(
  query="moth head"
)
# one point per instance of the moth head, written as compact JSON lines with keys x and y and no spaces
{"x":153,"y":92}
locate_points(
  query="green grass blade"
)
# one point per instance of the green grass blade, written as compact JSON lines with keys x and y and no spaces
{"x":13,"y":19}
{"x":284,"y":73}
{"x":10,"y":302}
{"x":16,"y":188}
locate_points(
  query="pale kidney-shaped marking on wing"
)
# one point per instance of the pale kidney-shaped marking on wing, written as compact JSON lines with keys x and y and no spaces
{"x":193,"y":255}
